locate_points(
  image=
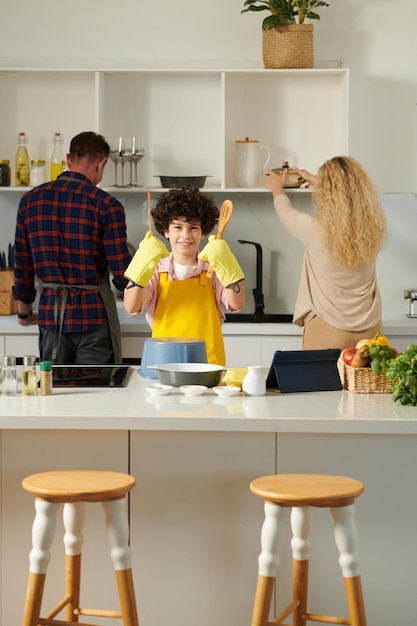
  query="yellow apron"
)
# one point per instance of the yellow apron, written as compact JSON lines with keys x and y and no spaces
{"x":187,"y":308}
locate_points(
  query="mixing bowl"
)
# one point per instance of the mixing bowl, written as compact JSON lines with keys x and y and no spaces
{"x":157,"y":350}
{"x":179,"y":374}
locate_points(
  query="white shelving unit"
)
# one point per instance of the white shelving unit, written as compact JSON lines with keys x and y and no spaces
{"x":190,"y":119}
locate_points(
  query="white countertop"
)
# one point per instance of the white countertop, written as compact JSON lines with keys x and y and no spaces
{"x":132,"y":408}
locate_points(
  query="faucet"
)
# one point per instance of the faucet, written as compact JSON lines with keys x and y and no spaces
{"x":412,"y":294}
{"x":257,"y":292}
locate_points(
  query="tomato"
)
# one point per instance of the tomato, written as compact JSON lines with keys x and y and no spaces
{"x":348,"y":354}
{"x":354,"y":357}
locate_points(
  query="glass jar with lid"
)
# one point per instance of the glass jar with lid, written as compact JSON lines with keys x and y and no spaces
{"x":5,"y":176}
{"x":37,"y":172}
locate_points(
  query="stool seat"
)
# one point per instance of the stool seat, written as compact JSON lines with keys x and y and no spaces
{"x":79,"y":485}
{"x":299,"y":493}
{"x":321,"y":490}
{"x":73,"y":488}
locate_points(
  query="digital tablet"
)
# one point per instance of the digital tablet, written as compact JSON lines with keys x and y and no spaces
{"x":304,"y":370}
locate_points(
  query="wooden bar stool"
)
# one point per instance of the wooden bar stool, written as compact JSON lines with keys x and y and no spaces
{"x":300,"y":492}
{"x":72,"y":488}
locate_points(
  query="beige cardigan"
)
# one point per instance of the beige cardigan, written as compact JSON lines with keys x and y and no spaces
{"x":346,"y":298}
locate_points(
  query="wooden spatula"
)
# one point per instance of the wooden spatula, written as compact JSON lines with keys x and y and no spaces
{"x":225,"y":215}
{"x":148,"y":191}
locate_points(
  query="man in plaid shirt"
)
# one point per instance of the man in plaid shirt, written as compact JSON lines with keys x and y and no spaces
{"x":70,"y":234}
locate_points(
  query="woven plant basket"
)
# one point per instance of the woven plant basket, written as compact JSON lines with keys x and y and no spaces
{"x":362,"y":379}
{"x":288,"y":46}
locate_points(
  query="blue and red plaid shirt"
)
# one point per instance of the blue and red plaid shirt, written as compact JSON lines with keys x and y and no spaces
{"x":69,"y":231}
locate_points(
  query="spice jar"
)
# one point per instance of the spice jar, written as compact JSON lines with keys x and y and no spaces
{"x":5,"y":175}
{"x":46,"y":378}
{"x":29,"y":382}
{"x":37,"y":172}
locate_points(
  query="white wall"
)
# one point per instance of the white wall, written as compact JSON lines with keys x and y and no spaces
{"x":375,"y":39}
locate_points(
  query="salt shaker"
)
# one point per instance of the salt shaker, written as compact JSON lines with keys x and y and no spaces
{"x":8,"y":376}
{"x":29,"y":382}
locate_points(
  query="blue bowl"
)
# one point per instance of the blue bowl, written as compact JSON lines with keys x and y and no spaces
{"x":159,"y":350}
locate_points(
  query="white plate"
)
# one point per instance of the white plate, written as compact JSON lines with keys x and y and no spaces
{"x":193,"y":390}
{"x":226,"y":390}
{"x":158,"y":389}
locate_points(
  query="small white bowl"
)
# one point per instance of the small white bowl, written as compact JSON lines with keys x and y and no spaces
{"x":226,"y":390}
{"x":193,"y":390}
{"x":158,"y":389}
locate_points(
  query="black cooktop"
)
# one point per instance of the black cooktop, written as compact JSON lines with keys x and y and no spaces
{"x":91,"y":375}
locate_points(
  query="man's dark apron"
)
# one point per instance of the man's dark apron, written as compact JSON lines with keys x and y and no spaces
{"x":61,"y":292}
{"x":108,"y":300}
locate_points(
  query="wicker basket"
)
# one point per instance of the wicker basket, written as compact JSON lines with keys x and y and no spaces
{"x":288,"y":46}
{"x":362,"y":379}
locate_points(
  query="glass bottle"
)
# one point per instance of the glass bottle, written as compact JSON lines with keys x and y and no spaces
{"x":22,"y":163}
{"x":46,"y":378}
{"x":8,"y":376}
{"x":29,"y":382}
{"x":37,"y":172}
{"x":57,"y":157}
{"x":5,"y":173}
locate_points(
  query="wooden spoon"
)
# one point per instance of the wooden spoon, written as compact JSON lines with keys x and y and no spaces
{"x":148,"y":191}
{"x":225,"y":215}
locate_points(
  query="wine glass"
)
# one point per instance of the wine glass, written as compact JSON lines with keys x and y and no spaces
{"x":115,"y":144}
{"x":138,"y":152}
{"x":125,"y":154}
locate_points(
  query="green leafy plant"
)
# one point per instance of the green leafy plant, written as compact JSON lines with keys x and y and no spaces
{"x":380,"y":356}
{"x":403,"y":371}
{"x":285,"y":11}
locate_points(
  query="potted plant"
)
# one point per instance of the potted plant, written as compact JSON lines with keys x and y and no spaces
{"x":287,"y":40}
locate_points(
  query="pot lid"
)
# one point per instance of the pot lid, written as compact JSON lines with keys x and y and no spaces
{"x":247,"y":140}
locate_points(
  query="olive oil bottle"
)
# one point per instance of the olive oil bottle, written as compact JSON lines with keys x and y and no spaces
{"x":22,"y":163}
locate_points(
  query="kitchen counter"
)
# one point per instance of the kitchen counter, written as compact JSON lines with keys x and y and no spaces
{"x":132,"y":408}
{"x":195,"y":526}
{"x":136,"y":324}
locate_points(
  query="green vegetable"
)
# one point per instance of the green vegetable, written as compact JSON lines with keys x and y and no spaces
{"x":380,"y":356}
{"x":403,"y":371}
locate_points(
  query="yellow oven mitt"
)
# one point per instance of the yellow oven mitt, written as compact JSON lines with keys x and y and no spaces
{"x":222,"y":260}
{"x":141,"y":268}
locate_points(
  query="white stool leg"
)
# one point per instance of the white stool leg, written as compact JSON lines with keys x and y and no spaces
{"x":73,"y":516}
{"x":118,"y":532}
{"x":300,"y":544}
{"x":347,"y":542}
{"x":43,"y":531}
{"x":268,"y":561}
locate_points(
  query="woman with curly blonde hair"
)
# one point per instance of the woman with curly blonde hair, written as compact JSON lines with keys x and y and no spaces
{"x":338,"y":299}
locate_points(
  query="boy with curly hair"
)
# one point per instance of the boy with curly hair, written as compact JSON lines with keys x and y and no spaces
{"x":180,"y":299}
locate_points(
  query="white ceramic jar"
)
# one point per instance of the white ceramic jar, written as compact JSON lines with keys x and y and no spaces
{"x":249,"y":170}
{"x":254,"y":383}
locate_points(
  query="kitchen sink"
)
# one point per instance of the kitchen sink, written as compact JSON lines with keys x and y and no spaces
{"x":258,"y":318}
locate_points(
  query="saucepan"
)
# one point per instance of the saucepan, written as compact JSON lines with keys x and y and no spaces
{"x":157,"y":350}
{"x":178,"y":374}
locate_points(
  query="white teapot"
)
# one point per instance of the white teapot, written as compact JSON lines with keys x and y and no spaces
{"x":248,"y":170}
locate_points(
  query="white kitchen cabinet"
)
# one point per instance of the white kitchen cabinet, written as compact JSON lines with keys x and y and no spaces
{"x":190,"y":119}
